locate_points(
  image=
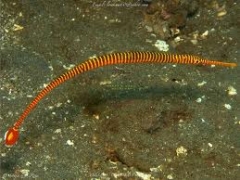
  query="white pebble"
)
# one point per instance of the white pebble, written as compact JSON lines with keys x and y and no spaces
{"x":169,"y":176}
{"x":222,"y":13}
{"x":70,"y":143}
{"x":70,"y":66}
{"x":228,"y":106}
{"x":58,"y":131}
{"x":58,"y":104}
{"x":199,"y":100}
{"x":50,"y":67}
{"x":143,"y":175}
{"x":96,"y":116}
{"x":177,"y":39}
{"x":149,"y":28}
{"x":202,"y":83}
{"x":105,"y":82}
{"x":161,"y":45}
{"x":231,"y":91}
{"x":194,"y":41}
{"x":210,"y":145}
{"x":25,"y":172}
{"x":205,"y":34}
{"x":50,"y":107}
{"x":181,"y":151}
{"x":28,"y":163}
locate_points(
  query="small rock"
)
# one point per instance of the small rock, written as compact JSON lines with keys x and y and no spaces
{"x":202,"y":83}
{"x":70,"y":143}
{"x":205,"y":34}
{"x":228,"y":106}
{"x":231,"y":91}
{"x":170,"y":176}
{"x":222,"y":13}
{"x":25,"y":172}
{"x":161,"y":45}
{"x":181,"y":151}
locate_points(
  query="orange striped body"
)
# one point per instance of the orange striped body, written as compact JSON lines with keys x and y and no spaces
{"x":12,"y":134}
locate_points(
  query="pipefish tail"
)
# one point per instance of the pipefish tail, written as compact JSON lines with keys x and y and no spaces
{"x":12,"y":135}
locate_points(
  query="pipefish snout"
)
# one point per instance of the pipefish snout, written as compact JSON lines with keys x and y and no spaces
{"x":12,"y":135}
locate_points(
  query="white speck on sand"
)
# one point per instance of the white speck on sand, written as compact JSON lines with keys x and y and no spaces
{"x":202,"y":83}
{"x":161,"y":45}
{"x":181,"y":151}
{"x":70,"y":143}
{"x":231,"y":91}
{"x":228,"y":106}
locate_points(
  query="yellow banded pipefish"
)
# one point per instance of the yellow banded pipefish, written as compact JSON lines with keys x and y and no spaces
{"x":12,"y":135}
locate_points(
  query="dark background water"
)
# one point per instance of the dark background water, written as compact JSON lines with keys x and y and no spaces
{"x":118,"y":122}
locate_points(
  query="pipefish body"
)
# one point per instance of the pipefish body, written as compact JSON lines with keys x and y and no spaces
{"x":12,"y":135}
